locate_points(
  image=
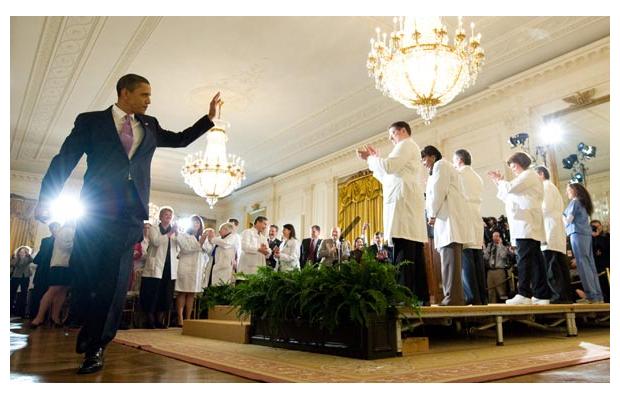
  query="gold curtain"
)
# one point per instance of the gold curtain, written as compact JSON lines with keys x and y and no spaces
{"x":23,"y":224}
{"x":361,"y":195}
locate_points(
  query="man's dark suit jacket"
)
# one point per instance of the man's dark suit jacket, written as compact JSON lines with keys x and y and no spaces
{"x":109,"y":168}
{"x":271,"y":261}
{"x":374,"y":249}
{"x":42,"y":260}
{"x":305,"y":252}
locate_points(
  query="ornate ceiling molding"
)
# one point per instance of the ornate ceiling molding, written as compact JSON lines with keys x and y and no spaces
{"x":63,"y":50}
{"x":125,"y":59}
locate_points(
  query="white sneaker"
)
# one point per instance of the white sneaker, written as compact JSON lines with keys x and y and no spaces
{"x":519,"y":300}
{"x":540,"y":302}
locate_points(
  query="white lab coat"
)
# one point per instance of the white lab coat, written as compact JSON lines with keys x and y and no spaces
{"x":403,"y":197}
{"x":471,"y":187}
{"x":250,"y":259}
{"x":446,"y":203}
{"x":221,"y":270}
{"x":63,"y":245}
{"x":523,"y":197}
{"x":191,"y":265}
{"x":289,"y":255}
{"x":552,"y":207}
{"x":156,"y":254}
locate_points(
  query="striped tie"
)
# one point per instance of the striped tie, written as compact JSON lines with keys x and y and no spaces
{"x":126,"y":135}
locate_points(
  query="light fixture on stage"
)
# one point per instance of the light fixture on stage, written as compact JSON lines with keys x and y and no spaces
{"x":551,"y":133}
{"x":569,"y":161}
{"x":587,"y":150}
{"x":184,"y":223}
{"x":66,"y":208}
{"x":577,"y":177}
{"x":518,"y":140}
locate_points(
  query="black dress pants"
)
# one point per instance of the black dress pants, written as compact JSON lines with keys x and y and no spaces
{"x":558,"y":276}
{"x":474,"y":277}
{"x":531,"y":268}
{"x":102,"y":259}
{"x":412,"y":275}
{"x":18,"y":300}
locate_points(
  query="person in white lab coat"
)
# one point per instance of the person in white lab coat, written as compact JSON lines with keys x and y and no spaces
{"x":404,"y":223}
{"x":473,"y":271}
{"x":237,"y":239}
{"x":523,"y":197}
{"x":254,"y":247}
{"x":287,"y":253}
{"x":449,"y":215}
{"x":160,"y":269}
{"x":554,"y":246}
{"x":222,"y":253}
{"x":191,"y":267}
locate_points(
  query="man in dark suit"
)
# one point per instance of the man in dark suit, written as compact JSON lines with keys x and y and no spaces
{"x":310,"y":247}
{"x":273,"y":242}
{"x":119,"y":143}
{"x":41,"y":276}
{"x":381,"y":251}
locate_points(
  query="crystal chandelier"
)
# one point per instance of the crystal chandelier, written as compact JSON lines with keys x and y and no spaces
{"x":418,"y":67}
{"x":213,"y":174}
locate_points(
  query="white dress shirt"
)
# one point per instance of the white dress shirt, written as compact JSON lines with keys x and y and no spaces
{"x":136,"y":127}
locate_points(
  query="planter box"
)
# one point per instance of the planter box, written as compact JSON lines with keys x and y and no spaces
{"x":225,"y":313}
{"x":228,"y":331}
{"x":378,"y":340}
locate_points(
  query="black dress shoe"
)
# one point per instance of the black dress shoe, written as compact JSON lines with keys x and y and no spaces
{"x":93,"y":362}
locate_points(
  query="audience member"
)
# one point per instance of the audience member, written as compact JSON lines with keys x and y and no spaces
{"x":334,"y":250}
{"x":273,"y":242}
{"x":601,"y":250}
{"x":20,"y":279}
{"x":496,"y":257}
{"x":310,"y":247}
{"x":287,"y":252}
{"x":160,"y":270}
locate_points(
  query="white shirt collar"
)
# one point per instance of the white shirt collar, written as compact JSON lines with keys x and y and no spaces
{"x":120,"y":114}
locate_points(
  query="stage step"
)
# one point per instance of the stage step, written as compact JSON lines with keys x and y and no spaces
{"x":228,"y":331}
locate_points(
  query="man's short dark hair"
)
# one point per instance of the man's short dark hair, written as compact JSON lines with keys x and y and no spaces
{"x":260,"y":219}
{"x":379,"y":233}
{"x":541,"y":169}
{"x":401,"y":125}
{"x":595,"y":221}
{"x":316,"y":227}
{"x":233,"y":221}
{"x":464,"y":156}
{"x":520,"y":158}
{"x":130,"y":82}
{"x":274,"y":226}
{"x":431,"y":151}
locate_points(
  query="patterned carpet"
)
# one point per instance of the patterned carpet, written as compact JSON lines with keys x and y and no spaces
{"x":457,"y":360}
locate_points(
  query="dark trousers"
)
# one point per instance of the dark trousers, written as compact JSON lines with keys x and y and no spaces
{"x":531,"y":268}
{"x":103,"y":260}
{"x":18,"y":300}
{"x":558,"y":276}
{"x":474,"y":278}
{"x":412,"y":275}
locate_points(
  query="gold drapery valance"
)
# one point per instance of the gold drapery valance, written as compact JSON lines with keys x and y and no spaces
{"x":360,"y":195}
{"x":23,"y":224}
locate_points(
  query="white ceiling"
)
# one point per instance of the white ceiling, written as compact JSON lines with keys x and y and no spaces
{"x":295,"y":88}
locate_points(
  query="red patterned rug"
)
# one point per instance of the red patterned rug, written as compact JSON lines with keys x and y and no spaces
{"x":458,"y":360}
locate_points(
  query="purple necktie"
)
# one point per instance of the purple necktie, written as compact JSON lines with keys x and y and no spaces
{"x":126,"y":135}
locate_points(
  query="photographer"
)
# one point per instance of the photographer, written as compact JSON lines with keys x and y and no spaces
{"x":601,"y":250}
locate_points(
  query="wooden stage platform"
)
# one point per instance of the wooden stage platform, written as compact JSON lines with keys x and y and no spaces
{"x":494,"y":315}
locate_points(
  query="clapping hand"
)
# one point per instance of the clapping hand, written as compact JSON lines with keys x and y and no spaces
{"x":276,"y":252}
{"x":366,"y":151}
{"x":431,"y":221}
{"x":495,"y":176}
{"x":215,"y":102}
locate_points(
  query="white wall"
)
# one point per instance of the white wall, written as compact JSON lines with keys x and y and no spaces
{"x":482,"y":124}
